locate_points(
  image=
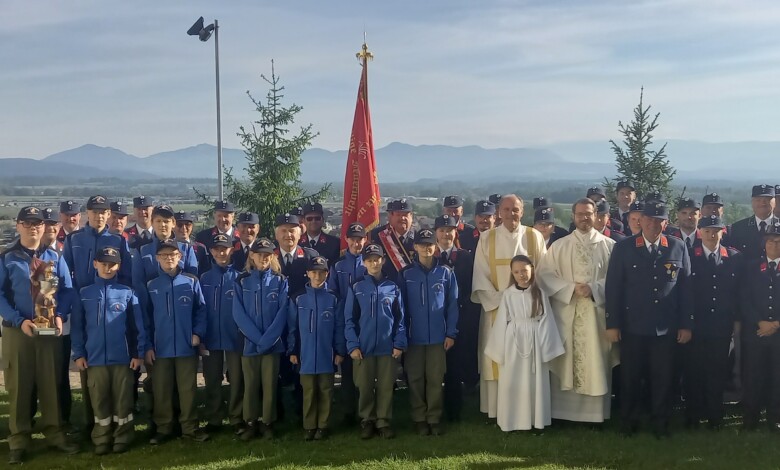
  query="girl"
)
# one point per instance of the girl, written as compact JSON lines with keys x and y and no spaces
{"x":260,"y":311}
{"x":524,"y":338}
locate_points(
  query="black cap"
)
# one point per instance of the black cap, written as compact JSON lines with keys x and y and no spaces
{"x":108,"y":255}
{"x":297,"y":211}
{"x":169,"y":243}
{"x":287,"y":218}
{"x":484,"y":208}
{"x":49,"y":216}
{"x":540,"y":202}
{"x":99,"y":203}
{"x":317,"y":263}
{"x":712,"y":198}
{"x":495,"y":198}
{"x":183,"y":216}
{"x":595,"y":190}
{"x":315,"y":207}
{"x":687,"y":203}
{"x":453,"y":201}
{"x":655,"y":196}
{"x":777,"y":190}
{"x":711,"y":221}
{"x":119,"y":208}
{"x":356,"y":229}
{"x":69,"y":208}
{"x":636,"y":206}
{"x":424,"y":236}
{"x":625,"y":184}
{"x":602,"y":207}
{"x":656,"y":209}
{"x":29,"y":213}
{"x":248,"y":218}
{"x":223,"y":206}
{"x":163,"y":210}
{"x":262,"y":245}
{"x":373,"y":249}
{"x":401,"y":205}
{"x":142,"y":201}
{"x":445,"y":221}
{"x":222,"y":240}
{"x":763,"y":190}
{"x":773,"y":229}
{"x":545,"y":214}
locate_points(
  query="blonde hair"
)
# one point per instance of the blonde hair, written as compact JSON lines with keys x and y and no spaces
{"x":275,"y":266}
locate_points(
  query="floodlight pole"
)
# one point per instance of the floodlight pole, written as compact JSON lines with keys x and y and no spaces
{"x":220,"y":193}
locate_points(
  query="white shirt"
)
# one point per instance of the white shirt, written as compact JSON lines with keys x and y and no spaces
{"x":650,"y":244}
{"x":707,"y":252}
{"x":776,"y":260}
{"x":449,"y":251}
{"x":229,"y":233}
{"x":691,"y":236}
{"x":767,"y":221}
{"x":283,"y":254}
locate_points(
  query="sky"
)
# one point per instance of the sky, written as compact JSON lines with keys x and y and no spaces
{"x":457,"y":72}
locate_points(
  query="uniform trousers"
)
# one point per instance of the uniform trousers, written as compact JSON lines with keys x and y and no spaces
{"x":213,"y":367}
{"x":760,"y":376}
{"x":261,"y":372}
{"x":650,"y":357}
{"x":349,"y":393}
{"x":425,"y":368}
{"x":705,"y":378}
{"x":111,"y":395}
{"x":167,"y":375}
{"x":375,"y":378}
{"x":317,"y":397}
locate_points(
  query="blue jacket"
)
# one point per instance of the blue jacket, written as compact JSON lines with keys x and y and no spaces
{"x":107,"y":326}
{"x":316,"y":330}
{"x":219,"y":287}
{"x":80,"y":249}
{"x":374,"y":317}
{"x":146,"y":267}
{"x":175,"y":310}
{"x":431,"y":301}
{"x":16,"y":302}
{"x":345,"y":272}
{"x":260,"y":311}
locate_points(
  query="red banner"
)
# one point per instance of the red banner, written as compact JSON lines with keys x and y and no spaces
{"x":361,"y":185}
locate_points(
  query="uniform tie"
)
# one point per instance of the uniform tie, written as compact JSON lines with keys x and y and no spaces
{"x":445,"y":258}
{"x":712,"y":258}
{"x":653,"y":251}
{"x":287,"y":259}
{"x":688,"y":243}
{"x":762,"y":227}
{"x":772,"y":266}
{"x":313,"y":243}
{"x":145,"y":234}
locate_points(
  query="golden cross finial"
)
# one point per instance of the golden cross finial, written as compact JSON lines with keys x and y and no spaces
{"x":364,"y":55}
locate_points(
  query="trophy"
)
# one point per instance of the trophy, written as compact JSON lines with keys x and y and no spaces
{"x":44,"y":291}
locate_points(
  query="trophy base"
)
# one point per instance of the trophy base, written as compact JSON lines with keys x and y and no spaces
{"x":45,"y":331}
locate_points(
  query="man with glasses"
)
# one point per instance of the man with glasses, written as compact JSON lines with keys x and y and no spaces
{"x":325,"y":244}
{"x":32,"y":361}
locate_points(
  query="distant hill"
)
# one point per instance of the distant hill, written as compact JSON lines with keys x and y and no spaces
{"x":399,"y":162}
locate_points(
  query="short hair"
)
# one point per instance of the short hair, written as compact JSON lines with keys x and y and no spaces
{"x":510,"y":196}
{"x":584,"y":200}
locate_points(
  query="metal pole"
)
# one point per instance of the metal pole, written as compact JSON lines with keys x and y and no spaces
{"x":220,"y":193}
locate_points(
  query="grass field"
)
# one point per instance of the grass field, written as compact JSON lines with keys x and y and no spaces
{"x":474,"y":443}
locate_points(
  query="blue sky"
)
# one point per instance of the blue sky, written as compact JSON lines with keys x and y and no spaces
{"x":491,"y":73}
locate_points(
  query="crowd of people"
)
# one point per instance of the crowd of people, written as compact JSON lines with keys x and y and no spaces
{"x":537,"y":318}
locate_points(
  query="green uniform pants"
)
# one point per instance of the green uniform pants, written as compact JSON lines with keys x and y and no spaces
{"x":32,"y":363}
{"x":213,"y":367}
{"x":260,"y":372}
{"x":425,"y":368}
{"x":111,"y":396}
{"x":317,"y":397}
{"x":183,"y":371}
{"x":375,"y":378}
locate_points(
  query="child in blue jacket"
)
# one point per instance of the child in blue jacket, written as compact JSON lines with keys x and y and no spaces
{"x":316,"y":343}
{"x":222,"y":343}
{"x":260,"y":311}
{"x":376,"y":338}
{"x":175,"y":319}
{"x":109,"y":342}
{"x":430,"y":294}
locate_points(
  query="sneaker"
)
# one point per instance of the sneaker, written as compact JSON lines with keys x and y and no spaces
{"x":120,"y":448}
{"x":249,"y":432}
{"x":367,"y":430}
{"x":422,"y":429}
{"x":102,"y":449}
{"x":16,"y":457}
{"x":159,"y":438}
{"x":436,"y":429}
{"x":308,"y":435}
{"x":198,"y":436}
{"x":386,"y":432}
{"x":321,"y":435}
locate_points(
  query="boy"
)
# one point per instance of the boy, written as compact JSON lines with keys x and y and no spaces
{"x":222,"y":343}
{"x":375,"y":341}
{"x":315,"y":343}
{"x":108,"y":343}
{"x":430,"y":294}
{"x":175,"y":320}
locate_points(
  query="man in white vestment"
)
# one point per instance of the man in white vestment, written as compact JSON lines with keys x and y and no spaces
{"x":492,"y":275}
{"x":573,"y":274}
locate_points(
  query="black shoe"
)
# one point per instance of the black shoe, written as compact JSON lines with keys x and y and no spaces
{"x":436,"y":429}
{"x":198,"y":436}
{"x":249,"y":432}
{"x":321,"y":435}
{"x":67,"y":448}
{"x":386,"y":432}
{"x":367,"y":430}
{"x":268,"y":431}
{"x":309,"y":434}
{"x":422,"y":428}
{"x":16,"y":457}
{"x":238,"y":428}
{"x":102,"y":449}
{"x":70,"y":430}
{"x":212,"y":428}
{"x":159,"y":438}
{"x":120,"y":448}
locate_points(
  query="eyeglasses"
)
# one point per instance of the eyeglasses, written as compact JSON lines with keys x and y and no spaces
{"x":30,"y":224}
{"x":313,"y":218}
{"x":183,"y":224}
{"x":168,"y":255}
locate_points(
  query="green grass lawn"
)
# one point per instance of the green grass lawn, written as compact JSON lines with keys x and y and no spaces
{"x":474,"y":443}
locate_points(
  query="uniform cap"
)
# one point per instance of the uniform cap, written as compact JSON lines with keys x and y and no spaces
{"x":223,"y":206}
{"x":69,"y":208}
{"x":248,"y":218}
{"x":484,"y":208}
{"x":712,"y":198}
{"x":373,"y":249}
{"x":119,"y":208}
{"x":49,"y":216}
{"x":656,"y":209}
{"x":773,"y":228}
{"x":297,"y":211}
{"x":540,"y":202}
{"x":98,"y":203}
{"x":453,"y":201}
{"x":317,"y":263}
{"x":636,"y":206}
{"x":262,"y":245}
{"x":763,"y":190}
{"x":625,"y":184}
{"x":595,"y":190}
{"x":544,"y":215}
{"x":163,"y":210}
{"x":183,"y":216}
{"x":711,"y":221}
{"x":495,"y":198}
{"x":356,"y":229}
{"x":169,"y":243}
{"x":108,"y":255}
{"x":687,"y":203}
{"x":400,"y":205}
{"x":287,"y":219}
{"x":142,"y":201}
{"x":602,"y":207}
{"x":315,"y":207}
{"x":29,"y":214}
{"x":424,"y":236}
{"x":222,"y":240}
{"x":655,"y":196}
{"x":445,"y":221}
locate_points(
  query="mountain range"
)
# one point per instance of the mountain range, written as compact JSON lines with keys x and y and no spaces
{"x":399,"y":162}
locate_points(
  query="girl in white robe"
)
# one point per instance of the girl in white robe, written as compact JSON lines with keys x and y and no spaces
{"x":524,"y":338}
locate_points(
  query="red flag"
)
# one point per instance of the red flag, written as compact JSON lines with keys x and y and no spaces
{"x":361,"y":186}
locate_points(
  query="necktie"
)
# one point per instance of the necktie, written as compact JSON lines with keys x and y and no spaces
{"x":762,"y":227}
{"x":712,"y":258}
{"x":313,"y":243}
{"x":445,"y":258}
{"x":287,"y":259}
{"x":688,"y":242}
{"x":653,"y":251}
{"x":145,"y":234}
{"x":246,"y":250}
{"x":772,"y":266}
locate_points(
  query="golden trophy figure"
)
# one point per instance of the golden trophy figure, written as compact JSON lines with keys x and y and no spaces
{"x":44,"y":291}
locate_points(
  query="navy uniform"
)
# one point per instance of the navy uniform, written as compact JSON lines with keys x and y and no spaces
{"x":760,"y":302}
{"x":326,"y":245}
{"x":50,"y":218}
{"x":201,"y":252}
{"x":545,"y":216}
{"x":602,"y":207}
{"x":746,"y":234}
{"x":542,"y":202}
{"x":467,"y":234}
{"x":636,"y":206}
{"x":119,"y":209}
{"x":648,"y":299}
{"x":398,"y":249}
{"x":294,"y":264}
{"x":690,"y":239}
{"x":68,"y":208}
{"x":485,"y":208}
{"x":715,"y":277}
{"x":136,"y":237}
{"x":495,"y":199}
{"x":241,"y":250}
{"x":715,"y":200}
{"x":205,"y":236}
{"x":462,"y":358}
{"x":616,"y":214}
